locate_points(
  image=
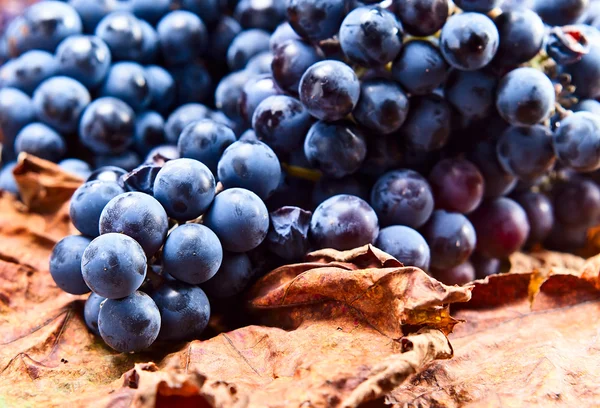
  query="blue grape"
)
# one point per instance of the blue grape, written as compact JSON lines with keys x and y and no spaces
{"x":472,"y":93}
{"x":127,"y":160}
{"x":41,"y":141}
{"x":428,"y":125}
{"x":7,"y":179}
{"x":290,"y":60}
{"x":141,"y":178}
{"x":127,"y":81}
{"x":565,"y":238}
{"x":316,"y":19}
{"x":422,"y":17}
{"x":221,"y":37}
{"x":406,"y":245}
{"x":161,"y":154}
{"x":260,"y":13}
{"x":382,"y":106}
{"x":248,"y":135}
{"x":162,"y":88}
{"x":384,"y":153}
{"x":192,"y":254}
{"x":457,"y":275}
{"x":402,"y":197}
{"x":149,"y":132}
{"x":91,"y":310}
{"x":525,"y":97}
{"x":130,"y":324}
{"x":326,"y":188}
{"x":577,"y":203}
{"x":560,"y":12}
{"x":567,"y":45}
{"x":42,"y":27}
{"x":107,"y":126}
{"x":482,"y":6}
{"x":150,"y":45}
{"x":182,"y":36}
{"x":585,"y":74}
{"x":457,"y":185}
{"x":288,"y":234}
{"x":588,"y":105}
{"x":184,"y":310}
{"x":205,"y":141}
{"x":451,"y":238}
{"x":85,"y":58}
{"x":28,"y":71}
{"x":182,"y":117}
{"x":139,"y":216}
{"x":371,"y":36}
{"x":256,"y":90}
{"x":87,"y":204}
{"x":329,"y":89}
{"x":498,"y":181}
{"x":113,"y":266}
{"x":151,"y":11}
{"x":124,"y":34}
{"x":77,"y":167}
{"x":260,"y":63}
{"x":343,"y":138}
{"x":283,"y":33}
{"x":282,"y":123}
{"x":343,"y":222}
{"x":185,"y":188}
{"x":59,"y":102}
{"x":228,"y":93}
{"x":232,"y":278}
{"x":193,"y":83}
{"x":250,"y":165}
{"x":246,"y":45}
{"x":526,"y":152}
{"x":65,"y":264}
{"x":16,"y":111}
{"x":239,"y":218}
{"x":521,"y":36}
{"x":469,"y":41}
{"x":420,"y":67}
{"x":92,"y":11}
{"x":207,"y":10}
{"x":106,"y":174}
{"x":501,"y":226}
{"x":540,"y":214}
{"x":485,"y":266}
{"x":577,"y":141}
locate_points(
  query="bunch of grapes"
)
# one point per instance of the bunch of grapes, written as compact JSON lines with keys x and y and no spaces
{"x":221,"y":138}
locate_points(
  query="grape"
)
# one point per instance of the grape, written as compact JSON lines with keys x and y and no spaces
{"x":239,"y":218}
{"x":184,"y":310}
{"x":585,"y":74}
{"x":182,"y":117}
{"x":205,"y":141}
{"x":7,"y":179}
{"x":28,"y":71}
{"x":526,"y":152}
{"x":382,"y":106}
{"x":343,"y":222}
{"x":59,"y":102}
{"x":457,"y":185}
{"x":525,"y":97}
{"x":161,"y":154}
{"x":420,"y":67}
{"x":422,"y":18}
{"x":150,"y":11}
{"x":588,"y":105}
{"x":256,"y":90}
{"x":260,"y":63}
{"x":246,"y":45}
{"x":498,"y":181}
{"x":127,"y":160}
{"x":16,"y":111}
{"x":139,"y":216}
{"x":427,"y":127}
{"x":91,"y":311}
{"x":207,"y":10}
{"x":469,"y":41}
{"x":76,"y":167}
{"x":502,"y":227}
{"x":232,"y":278}
{"x":342,"y":137}
{"x":41,"y":141}
{"x":87,"y":204}
{"x":566,"y":238}
{"x":251,"y":165}
{"x":329,"y":90}
{"x":113,"y":266}
{"x":282,"y":123}
{"x":472,"y":93}
{"x":402,"y":197}
{"x":106,"y":174}
{"x":260,"y":13}
{"x":124,"y":35}
{"x":182,"y":37}
{"x":383,"y":154}
{"x":149,"y":131}
{"x":482,"y":6}
{"x":192,"y":254}
{"x":560,"y":12}
{"x":283,"y":33}
{"x":484,"y":266}
{"x":92,"y":11}
{"x":290,"y":60}
{"x":370,"y":36}
{"x":221,"y":37}
{"x":162,"y":88}
{"x":84,"y":58}
{"x":288,"y":234}
{"x":457,"y":275}
{"x":129,"y":324}
{"x":577,"y":141}
{"x":540,"y":214}
{"x":521,"y":36}
{"x":567,"y":45}
{"x":193,"y":83}
{"x":451,"y":238}
{"x":316,"y":19}
{"x":141,"y":178}
{"x":107,"y":126}
{"x":65,"y":264}
{"x":127,"y":81}
{"x":326,"y":188}
{"x":229,"y":92}
{"x":406,"y":245}
{"x":577,"y":203}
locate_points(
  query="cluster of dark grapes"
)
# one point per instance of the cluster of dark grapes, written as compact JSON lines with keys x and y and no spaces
{"x":221,"y":138}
